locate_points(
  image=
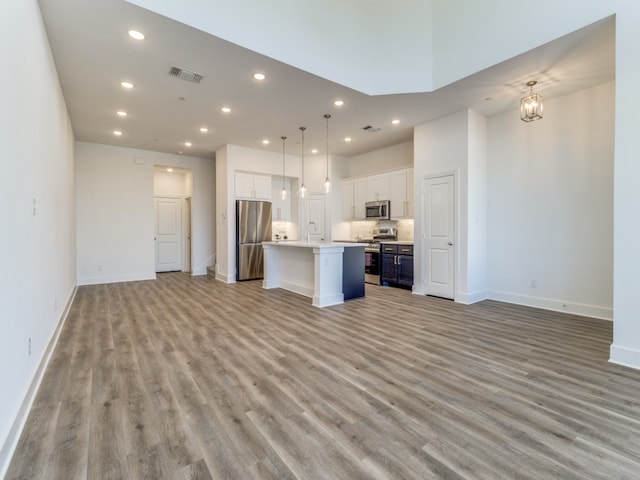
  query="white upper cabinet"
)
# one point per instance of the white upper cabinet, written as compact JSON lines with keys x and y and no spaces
{"x":359,"y":198}
{"x":401,"y":190}
{"x":348,"y":209}
{"x":252,"y":186}
{"x":354,"y":196}
{"x":378,"y":187}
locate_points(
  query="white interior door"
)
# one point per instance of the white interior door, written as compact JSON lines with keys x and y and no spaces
{"x":313,"y":223}
{"x":168,"y":238}
{"x":439,"y":203}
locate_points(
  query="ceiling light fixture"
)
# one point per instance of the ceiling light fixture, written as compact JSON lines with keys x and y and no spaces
{"x":395,"y":121}
{"x":204,"y":129}
{"x":126,"y":84}
{"x":187,"y":144}
{"x":347,"y":139}
{"x":226,"y":109}
{"x":531,"y":105}
{"x":303,"y":189}
{"x":314,"y":151}
{"x":136,"y":35}
{"x":121,"y":113}
{"x":265,"y":142}
{"x":259,"y":76}
{"x":117,"y":133}
{"x":284,"y":190}
{"x":338,"y":103}
{"x":327,"y":182}
{"x":169,"y":169}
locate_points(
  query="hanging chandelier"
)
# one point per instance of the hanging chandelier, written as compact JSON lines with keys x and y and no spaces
{"x":531,"y":105}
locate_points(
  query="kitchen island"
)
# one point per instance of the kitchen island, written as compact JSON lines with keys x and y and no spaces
{"x":328,"y":272}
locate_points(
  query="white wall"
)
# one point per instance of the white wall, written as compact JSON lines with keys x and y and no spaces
{"x":115,"y":212}
{"x":441,"y":148}
{"x":469,"y":35}
{"x":551,"y":205}
{"x":626,"y":327}
{"x":36,"y":160}
{"x":170,"y":184}
{"x":382,"y":160}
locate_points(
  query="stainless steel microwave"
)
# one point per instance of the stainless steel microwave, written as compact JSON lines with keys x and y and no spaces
{"x":377,"y":210}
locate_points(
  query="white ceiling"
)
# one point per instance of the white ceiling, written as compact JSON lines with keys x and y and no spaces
{"x":93,"y":54}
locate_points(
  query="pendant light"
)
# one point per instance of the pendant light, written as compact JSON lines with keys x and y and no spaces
{"x":303,"y":189}
{"x":284,"y":190}
{"x":531,"y":105}
{"x":327,"y":182}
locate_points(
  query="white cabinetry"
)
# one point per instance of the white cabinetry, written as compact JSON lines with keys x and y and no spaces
{"x":378,"y":187}
{"x":354,"y":196}
{"x":359,"y":198}
{"x":401,"y":193}
{"x":348,"y":212}
{"x":252,"y":186}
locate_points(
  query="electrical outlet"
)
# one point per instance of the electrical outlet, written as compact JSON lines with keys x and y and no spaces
{"x":534,"y":283}
{"x":99,"y":268}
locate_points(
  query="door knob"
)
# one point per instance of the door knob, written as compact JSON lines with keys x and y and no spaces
{"x":449,"y":243}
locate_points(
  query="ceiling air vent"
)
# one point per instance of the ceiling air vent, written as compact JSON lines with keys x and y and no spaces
{"x":185,"y":74}
{"x":371,"y":129}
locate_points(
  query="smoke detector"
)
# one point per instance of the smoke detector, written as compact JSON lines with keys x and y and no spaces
{"x":185,"y":74}
{"x":371,"y":129}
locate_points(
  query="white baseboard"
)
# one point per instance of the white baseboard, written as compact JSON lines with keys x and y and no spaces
{"x":199,"y":271}
{"x":8,"y":448}
{"x":469,"y":298}
{"x":592,"y":311}
{"x":133,"y":277}
{"x":627,"y":357}
{"x":222,"y":278}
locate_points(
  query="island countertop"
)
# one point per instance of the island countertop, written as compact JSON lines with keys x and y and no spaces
{"x":313,"y":244}
{"x":328,"y":272}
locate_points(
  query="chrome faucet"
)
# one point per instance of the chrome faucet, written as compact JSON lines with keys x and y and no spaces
{"x":309,"y":230}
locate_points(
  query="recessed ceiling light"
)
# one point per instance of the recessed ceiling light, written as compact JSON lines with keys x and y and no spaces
{"x":265,"y":141}
{"x":315,"y":150}
{"x":395,"y":121}
{"x":180,"y":152}
{"x":121,"y":113}
{"x":187,"y":144}
{"x":204,"y":129}
{"x":347,"y":139}
{"x":259,"y":76}
{"x":338,"y":103}
{"x":226,"y":109}
{"x":136,"y":34}
{"x":127,"y":84}
{"x":117,"y":133}
{"x":169,"y":169}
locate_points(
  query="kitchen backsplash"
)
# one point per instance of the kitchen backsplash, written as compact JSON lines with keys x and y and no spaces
{"x":364,"y":229}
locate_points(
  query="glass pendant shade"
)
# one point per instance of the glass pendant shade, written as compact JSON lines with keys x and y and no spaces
{"x":284,"y":189}
{"x":303,"y":189}
{"x":531,"y":105}
{"x":327,"y":182}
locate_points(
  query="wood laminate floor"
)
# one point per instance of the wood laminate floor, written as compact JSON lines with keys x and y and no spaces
{"x":189,"y":378}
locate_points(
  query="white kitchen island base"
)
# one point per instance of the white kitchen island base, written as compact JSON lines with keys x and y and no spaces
{"x":329,"y":273}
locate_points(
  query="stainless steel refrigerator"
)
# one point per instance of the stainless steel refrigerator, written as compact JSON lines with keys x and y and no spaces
{"x":253,"y":226}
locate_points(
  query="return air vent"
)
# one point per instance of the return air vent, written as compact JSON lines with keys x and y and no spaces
{"x":185,"y":74}
{"x":371,"y":129}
